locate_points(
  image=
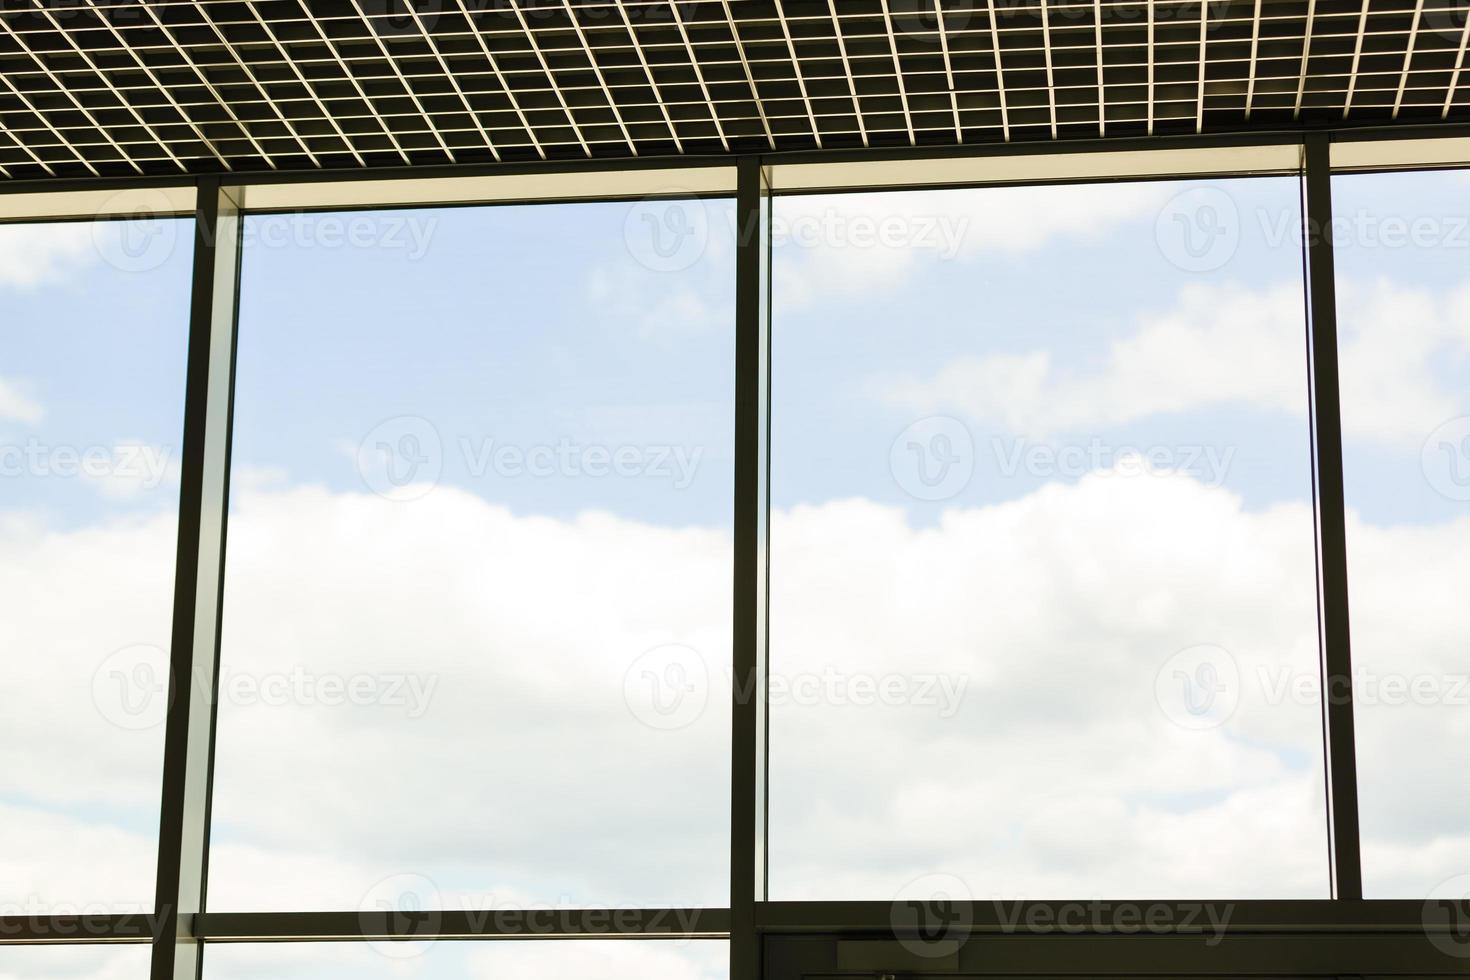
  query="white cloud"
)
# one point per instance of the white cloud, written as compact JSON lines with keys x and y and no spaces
{"x":659,"y":307}
{"x":1224,"y":346}
{"x":35,"y":253}
{"x":1402,"y":349}
{"x":1219,"y":346}
{"x":15,"y":406}
{"x":858,"y":243}
{"x":529,"y":780}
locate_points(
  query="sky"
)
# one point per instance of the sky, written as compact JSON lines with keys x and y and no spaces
{"x":1043,"y":603}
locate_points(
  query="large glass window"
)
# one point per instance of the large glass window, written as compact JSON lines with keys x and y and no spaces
{"x":1403,"y":280}
{"x":476,"y":636}
{"x":1043,"y":606}
{"x":74,"y":962}
{"x":93,"y":337}
{"x":582,"y":959}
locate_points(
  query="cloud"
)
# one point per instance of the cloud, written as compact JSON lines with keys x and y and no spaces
{"x":36,"y":253}
{"x":830,"y":247}
{"x":15,"y":406}
{"x":532,"y":779}
{"x":1223,"y":346}
{"x":1219,"y":346}
{"x":131,"y":469}
{"x":662,"y":308}
{"x":1404,"y":352}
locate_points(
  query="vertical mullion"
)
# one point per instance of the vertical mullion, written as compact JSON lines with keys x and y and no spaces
{"x":1336,"y":639}
{"x":746,"y":742}
{"x":188,"y":760}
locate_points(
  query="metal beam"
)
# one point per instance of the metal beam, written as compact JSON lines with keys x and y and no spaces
{"x":188,"y":760}
{"x":81,"y":928}
{"x":752,"y":354}
{"x":549,"y":923}
{"x":1332,"y":571}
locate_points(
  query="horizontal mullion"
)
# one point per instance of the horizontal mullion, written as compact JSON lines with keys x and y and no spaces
{"x":606,"y":923}
{"x":128,"y":927}
{"x":1302,"y":916}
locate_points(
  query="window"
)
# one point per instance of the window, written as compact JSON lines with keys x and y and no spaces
{"x":602,"y":959}
{"x":1043,"y":612}
{"x":1404,"y":351}
{"x":477,"y":592}
{"x":93,"y":338}
{"x":68,"y":962}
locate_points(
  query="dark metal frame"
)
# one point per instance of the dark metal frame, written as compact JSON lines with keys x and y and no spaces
{"x":1342,"y":935}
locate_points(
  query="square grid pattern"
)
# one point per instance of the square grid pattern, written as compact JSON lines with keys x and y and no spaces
{"x":158,"y":87}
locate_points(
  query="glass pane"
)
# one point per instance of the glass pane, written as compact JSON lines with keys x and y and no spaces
{"x":477,"y":597}
{"x":74,"y":962}
{"x":581,"y":959}
{"x":1402,"y":248}
{"x":1043,"y":595}
{"x":93,"y":340}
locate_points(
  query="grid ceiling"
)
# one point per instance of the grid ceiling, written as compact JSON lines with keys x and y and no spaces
{"x":102,"y":87}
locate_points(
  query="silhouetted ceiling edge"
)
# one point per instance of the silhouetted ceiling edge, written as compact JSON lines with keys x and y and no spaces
{"x":160,"y":87}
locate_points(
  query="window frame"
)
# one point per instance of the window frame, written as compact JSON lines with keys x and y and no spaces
{"x":1344,"y":934}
